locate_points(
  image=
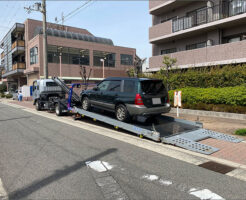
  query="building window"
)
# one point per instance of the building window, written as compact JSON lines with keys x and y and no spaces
{"x":52,"y":54}
{"x":33,"y":55}
{"x":109,"y":58}
{"x":79,"y":56}
{"x":168,"y":51}
{"x":68,"y":55}
{"x":196,"y":46}
{"x":126,"y":59}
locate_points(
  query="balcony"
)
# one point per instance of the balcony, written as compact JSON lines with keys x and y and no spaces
{"x":19,"y":66}
{"x":160,"y":29}
{"x":207,"y":15}
{"x":202,"y":20}
{"x":229,"y":53}
{"x":18,"y":43}
{"x":159,"y":7}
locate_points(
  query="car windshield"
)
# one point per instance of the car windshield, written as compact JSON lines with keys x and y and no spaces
{"x":152,"y":87}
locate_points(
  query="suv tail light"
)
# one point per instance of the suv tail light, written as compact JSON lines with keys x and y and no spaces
{"x":138,"y":100}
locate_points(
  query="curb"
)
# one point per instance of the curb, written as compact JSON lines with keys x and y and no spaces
{"x":210,"y":113}
{"x":171,"y":151}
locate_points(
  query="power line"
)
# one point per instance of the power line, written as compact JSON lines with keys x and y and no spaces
{"x":73,"y":13}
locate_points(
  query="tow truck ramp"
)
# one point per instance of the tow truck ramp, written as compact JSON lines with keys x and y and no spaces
{"x":168,"y":130}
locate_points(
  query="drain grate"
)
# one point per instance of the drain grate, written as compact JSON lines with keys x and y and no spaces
{"x":217,"y":167}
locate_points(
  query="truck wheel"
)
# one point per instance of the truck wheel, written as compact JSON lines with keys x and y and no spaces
{"x":86,"y":104}
{"x":37,"y":105}
{"x":122,"y":113}
{"x":58,"y":110}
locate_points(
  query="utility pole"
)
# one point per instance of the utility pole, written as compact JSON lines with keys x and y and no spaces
{"x":42,"y":8}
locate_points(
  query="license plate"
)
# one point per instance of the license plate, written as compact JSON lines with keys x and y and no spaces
{"x":156,"y":101}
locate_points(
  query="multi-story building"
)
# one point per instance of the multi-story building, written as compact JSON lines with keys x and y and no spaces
{"x":198,"y":33}
{"x":69,"y":48}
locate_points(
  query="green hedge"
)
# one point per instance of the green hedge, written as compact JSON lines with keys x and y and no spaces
{"x":235,"y":96}
{"x":8,"y":96}
{"x":217,"y":77}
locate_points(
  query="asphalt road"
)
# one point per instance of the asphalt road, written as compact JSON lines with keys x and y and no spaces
{"x":45,"y":159}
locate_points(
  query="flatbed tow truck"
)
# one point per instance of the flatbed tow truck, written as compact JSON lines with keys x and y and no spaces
{"x":182,"y":133}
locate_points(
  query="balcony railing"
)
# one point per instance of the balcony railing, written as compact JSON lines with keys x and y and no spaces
{"x":209,"y":14}
{"x":18,"y":43}
{"x":2,"y":55}
{"x":19,"y":66}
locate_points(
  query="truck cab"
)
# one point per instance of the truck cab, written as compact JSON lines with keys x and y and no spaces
{"x":46,"y":91}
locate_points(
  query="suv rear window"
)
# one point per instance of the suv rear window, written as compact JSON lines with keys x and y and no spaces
{"x":51,"y":84}
{"x":153,"y":87}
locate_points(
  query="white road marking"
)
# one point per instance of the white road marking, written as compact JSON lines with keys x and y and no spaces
{"x":165,"y":182}
{"x":205,"y":194}
{"x":99,"y":166}
{"x":107,"y":165}
{"x":3,"y":193}
{"x":150,"y":177}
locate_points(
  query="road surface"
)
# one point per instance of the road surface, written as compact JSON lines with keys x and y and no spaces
{"x":45,"y":159}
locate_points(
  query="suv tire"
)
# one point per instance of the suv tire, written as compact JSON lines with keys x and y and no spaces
{"x":86,"y":105}
{"x":37,"y":105}
{"x":122,"y":113}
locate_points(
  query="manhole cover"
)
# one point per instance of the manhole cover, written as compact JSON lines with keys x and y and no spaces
{"x":217,"y":167}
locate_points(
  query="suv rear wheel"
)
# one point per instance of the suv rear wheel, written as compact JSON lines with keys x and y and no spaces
{"x":122,"y":113}
{"x":86,"y":103}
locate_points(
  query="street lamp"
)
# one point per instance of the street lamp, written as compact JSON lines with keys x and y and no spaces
{"x":102,"y":60}
{"x":60,"y":57}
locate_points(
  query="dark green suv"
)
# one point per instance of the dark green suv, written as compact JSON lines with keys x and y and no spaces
{"x":128,"y":97}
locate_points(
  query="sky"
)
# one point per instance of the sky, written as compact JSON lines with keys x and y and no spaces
{"x":125,"y":22}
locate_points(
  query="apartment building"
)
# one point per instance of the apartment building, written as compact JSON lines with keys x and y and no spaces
{"x":198,"y":33}
{"x":69,"y":48}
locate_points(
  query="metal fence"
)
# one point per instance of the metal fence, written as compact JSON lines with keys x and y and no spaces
{"x":209,"y":14}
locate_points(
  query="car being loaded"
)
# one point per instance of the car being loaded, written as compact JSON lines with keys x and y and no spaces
{"x":128,"y":97}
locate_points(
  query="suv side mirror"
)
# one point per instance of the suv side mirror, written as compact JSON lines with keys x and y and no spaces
{"x":96,"y":88}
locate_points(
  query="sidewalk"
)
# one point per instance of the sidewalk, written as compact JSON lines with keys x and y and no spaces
{"x":234,"y":152}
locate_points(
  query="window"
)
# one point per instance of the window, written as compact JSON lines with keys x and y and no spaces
{"x":68,"y":55}
{"x":79,"y":56}
{"x":103,"y":86}
{"x":168,"y":51}
{"x":33,"y":55}
{"x":52,"y":54}
{"x":109,"y":58}
{"x":196,"y":46}
{"x":153,"y":87}
{"x":237,"y":7}
{"x":126,"y":59}
{"x":114,"y":86}
{"x":51,"y":84}
{"x":129,"y":86}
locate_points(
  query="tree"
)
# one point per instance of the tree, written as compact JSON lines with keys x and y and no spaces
{"x":168,"y":65}
{"x":137,"y":69}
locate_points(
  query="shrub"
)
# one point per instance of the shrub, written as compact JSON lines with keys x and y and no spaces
{"x":2,"y":95}
{"x":228,"y":95}
{"x":241,"y":132}
{"x":227,"y":76}
{"x":8,"y":96}
{"x":3,"y":88}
